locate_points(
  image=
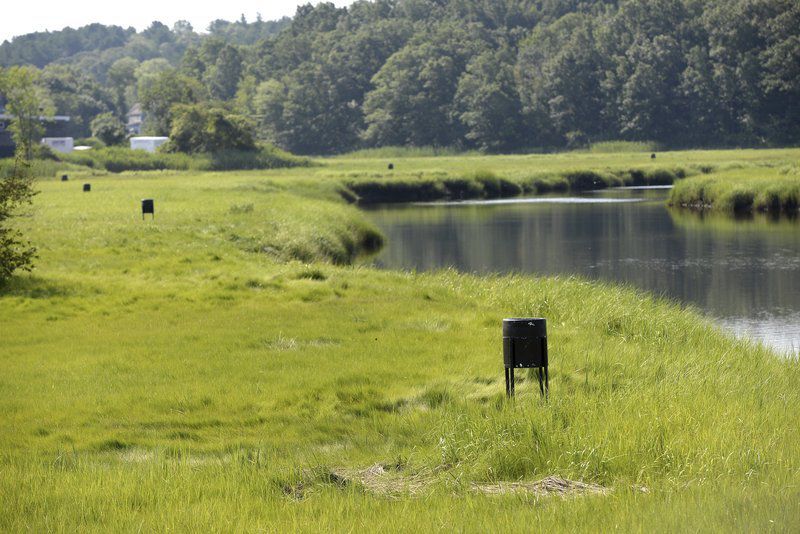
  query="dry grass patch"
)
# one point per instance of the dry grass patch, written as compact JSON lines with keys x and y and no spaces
{"x":551,"y":485}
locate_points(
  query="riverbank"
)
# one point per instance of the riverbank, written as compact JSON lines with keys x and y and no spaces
{"x":486,"y":184}
{"x":742,"y":191}
{"x":452,"y":177}
{"x":189,"y":373}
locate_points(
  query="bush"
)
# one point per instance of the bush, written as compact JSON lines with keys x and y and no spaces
{"x":90,"y":142}
{"x":108,"y":129}
{"x":198,"y":129}
{"x":15,"y":190}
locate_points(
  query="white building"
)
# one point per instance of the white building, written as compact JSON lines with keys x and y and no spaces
{"x":60,"y":144}
{"x":149,"y":144}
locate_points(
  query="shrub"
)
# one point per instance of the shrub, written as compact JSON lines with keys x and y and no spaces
{"x":198,"y":129}
{"x":108,"y":129}
{"x":90,"y":142}
{"x":16,"y":253}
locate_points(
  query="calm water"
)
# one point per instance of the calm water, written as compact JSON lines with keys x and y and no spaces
{"x":744,"y":273}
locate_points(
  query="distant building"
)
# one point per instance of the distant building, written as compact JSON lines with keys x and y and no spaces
{"x":60,"y":144}
{"x":150,"y":144}
{"x":135,"y":119}
{"x":55,"y":126}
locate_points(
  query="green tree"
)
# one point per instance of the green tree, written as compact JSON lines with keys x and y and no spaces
{"x":148,"y":72}
{"x":164,"y":91}
{"x":300,"y":113}
{"x":780,"y":80}
{"x":268,"y":102}
{"x":26,"y":100}
{"x":109,"y":129}
{"x":122,"y":81}
{"x":197,"y":128}
{"x":560,"y":71}
{"x":650,"y":99}
{"x":412,"y":103}
{"x":703,"y":111}
{"x":222,"y":78}
{"x":78,"y":96}
{"x":489,"y":105}
{"x":16,"y":252}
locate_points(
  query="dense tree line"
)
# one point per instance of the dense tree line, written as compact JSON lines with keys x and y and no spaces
{"x":497,"y":75}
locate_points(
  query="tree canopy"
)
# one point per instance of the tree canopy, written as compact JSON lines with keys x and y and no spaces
{"x":496,"y":76}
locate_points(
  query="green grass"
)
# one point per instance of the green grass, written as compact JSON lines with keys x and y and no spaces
{"x":615,"y":147}
{"x":773,"y":190}
{"x":119,"y":159}
{"x":181,"y":373}
{"x":49,"y":169}
{"x":408,"y":152}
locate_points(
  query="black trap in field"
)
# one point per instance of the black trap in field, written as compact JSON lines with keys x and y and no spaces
{"x":148,"y":206}
{"x":525,"y":347}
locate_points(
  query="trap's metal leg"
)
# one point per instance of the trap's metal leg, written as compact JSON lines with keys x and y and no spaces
{"x":541,"y":383}
{"x":508,"y":383}
{"x":511,"y":374}
{"x":546,"y":383}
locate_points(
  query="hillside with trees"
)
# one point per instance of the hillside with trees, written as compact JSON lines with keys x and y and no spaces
{"x":475,"y":74}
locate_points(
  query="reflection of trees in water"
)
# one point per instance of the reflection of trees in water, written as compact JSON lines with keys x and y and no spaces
{"x":727,"y":268}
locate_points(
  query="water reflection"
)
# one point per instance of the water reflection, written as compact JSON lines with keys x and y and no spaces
{"x":745,"y":273}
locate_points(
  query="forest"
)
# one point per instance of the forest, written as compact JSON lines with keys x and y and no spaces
{"x":496,"y":76}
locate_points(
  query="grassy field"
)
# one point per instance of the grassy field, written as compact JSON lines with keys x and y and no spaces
{"x":232,"y":365}
{"x":745,"y":190}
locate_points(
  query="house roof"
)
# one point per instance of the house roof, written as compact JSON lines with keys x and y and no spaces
{"x":55,"y":118}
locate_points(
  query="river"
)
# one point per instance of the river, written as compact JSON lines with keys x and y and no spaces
{"x":743,"y":273}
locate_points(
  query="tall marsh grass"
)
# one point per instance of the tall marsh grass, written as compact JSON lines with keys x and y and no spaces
{"x":772,"y":190}
{"x":118,"y":159}
{"x":616,"y":147}
{"x":408,"y":152}
{"x":485,"y":183}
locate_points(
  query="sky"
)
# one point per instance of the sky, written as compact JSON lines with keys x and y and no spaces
{"x":26,"y":16}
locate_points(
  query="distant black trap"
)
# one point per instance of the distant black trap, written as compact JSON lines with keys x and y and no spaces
{"x":148,"y":206}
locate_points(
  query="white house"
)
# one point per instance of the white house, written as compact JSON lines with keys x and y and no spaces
{"x":135,"y":119}
{"x":149,"y":144}
{"x":60,"y":144}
